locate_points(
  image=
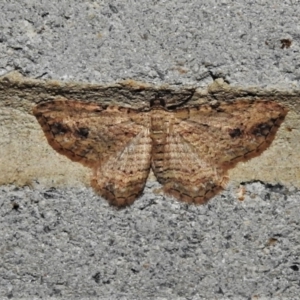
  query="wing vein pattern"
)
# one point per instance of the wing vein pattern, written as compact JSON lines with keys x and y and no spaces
{"x":190,"y":150}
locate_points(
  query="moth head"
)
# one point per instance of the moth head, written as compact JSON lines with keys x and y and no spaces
{"x":157,"y":102}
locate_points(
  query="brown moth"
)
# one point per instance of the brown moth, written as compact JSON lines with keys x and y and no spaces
{"x":189,"y":149}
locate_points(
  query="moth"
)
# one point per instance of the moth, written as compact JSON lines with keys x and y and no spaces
{"x":189,"y":149}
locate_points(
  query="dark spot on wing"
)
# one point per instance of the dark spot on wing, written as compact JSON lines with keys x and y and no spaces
{"x":262,"y":129}
{"x":82,"y":132}
{"x":59,"y":128}
{"x":236,"y":132}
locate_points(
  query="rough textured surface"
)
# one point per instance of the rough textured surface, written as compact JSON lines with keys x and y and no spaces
{"x":189,"y":149}
{"x":153,"y":41}
{"x":69,"y":243}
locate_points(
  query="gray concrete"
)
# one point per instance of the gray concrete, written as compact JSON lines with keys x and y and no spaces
{"x":154,"y":41}
{"x":69,"y":243}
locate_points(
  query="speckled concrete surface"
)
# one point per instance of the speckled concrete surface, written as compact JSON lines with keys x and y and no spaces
{"x":153,"y":41}
{"x":71,"y":244}
{"x":68,"y":243}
